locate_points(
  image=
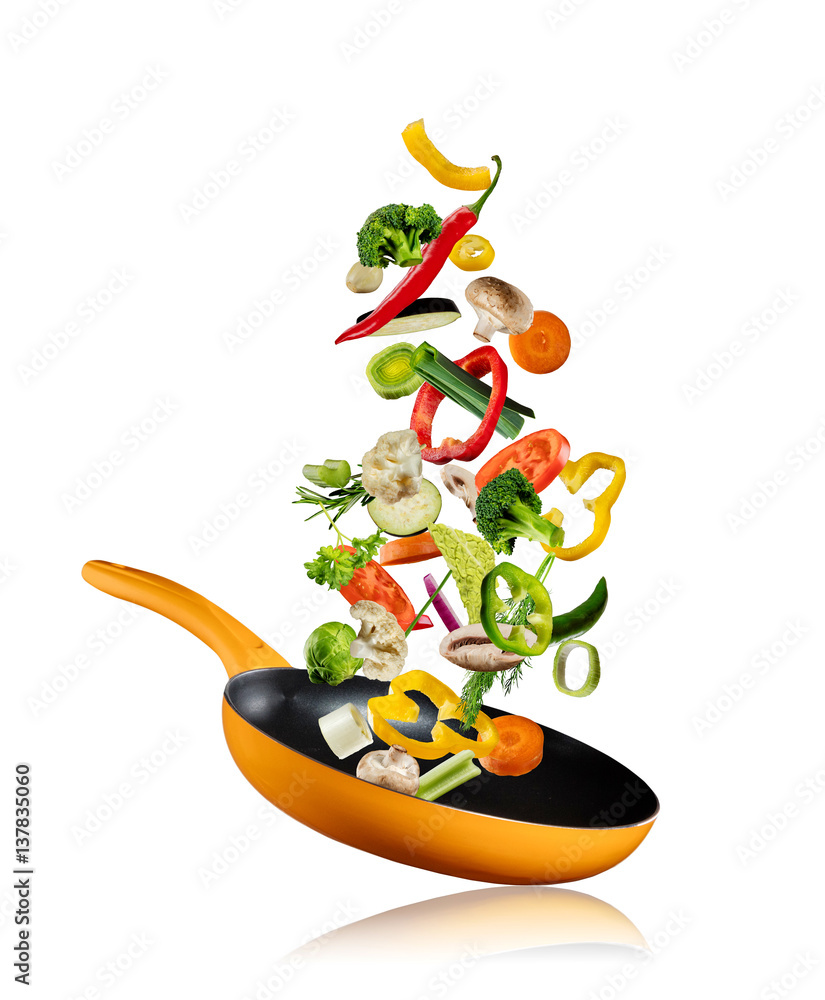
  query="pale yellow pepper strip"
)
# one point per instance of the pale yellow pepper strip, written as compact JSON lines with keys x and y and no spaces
{"x":420,"y":147}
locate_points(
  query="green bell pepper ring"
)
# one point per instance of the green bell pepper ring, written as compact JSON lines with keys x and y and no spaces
{"x":521,"y":585}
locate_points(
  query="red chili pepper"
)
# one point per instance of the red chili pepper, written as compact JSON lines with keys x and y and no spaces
{"x":482,"y":361}
{"x":419,"y":277}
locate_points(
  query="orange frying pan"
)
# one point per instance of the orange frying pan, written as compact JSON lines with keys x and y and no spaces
{"x":577,"y":814}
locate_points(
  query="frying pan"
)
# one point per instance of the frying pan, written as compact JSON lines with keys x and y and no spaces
{"x":577,"y":814}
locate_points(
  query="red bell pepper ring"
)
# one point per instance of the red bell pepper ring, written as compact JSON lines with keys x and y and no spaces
{"x":374,"y":583}
{"x":482,"y":361}
{"x":540,"y":456}
{"x":419,"y":277}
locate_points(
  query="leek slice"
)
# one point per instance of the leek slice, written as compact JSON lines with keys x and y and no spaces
{"x":560,"y":665}
{"x":447,"y":775}
{"x":345,"y":730}
{"x":391,"y":374}
{"x":466,"y":390}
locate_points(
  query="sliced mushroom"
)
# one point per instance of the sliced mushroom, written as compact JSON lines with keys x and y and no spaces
{"x":462,"y":484}
{"x":392,"y":768}
{"x":469,"y":647}
{"x":499,"y":306}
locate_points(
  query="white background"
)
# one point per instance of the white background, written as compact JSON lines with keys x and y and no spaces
{"x":707,"y":190}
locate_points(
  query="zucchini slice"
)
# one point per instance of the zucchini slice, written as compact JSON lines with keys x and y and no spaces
{"x":423,"y":314}
{"x":409,"y":516}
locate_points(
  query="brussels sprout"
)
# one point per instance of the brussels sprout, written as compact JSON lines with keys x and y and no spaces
{"x":327,"y":655}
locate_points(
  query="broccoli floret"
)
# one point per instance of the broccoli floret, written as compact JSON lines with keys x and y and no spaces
{"x":394,"y":234}
{"x":508,"y":508}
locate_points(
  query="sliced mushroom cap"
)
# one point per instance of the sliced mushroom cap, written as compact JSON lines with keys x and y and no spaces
{"x":500,"y":306}
{"x":469,"y":647}
{"x":391,"y":768}
{"x":462,"y":484}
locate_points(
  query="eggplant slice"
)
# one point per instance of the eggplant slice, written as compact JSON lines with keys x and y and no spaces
{"x":420,"y":316}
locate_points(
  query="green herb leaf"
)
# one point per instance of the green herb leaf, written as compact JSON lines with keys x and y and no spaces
{"x":476,"y":686}
{"x":337,"y":502}
{"x":336,"y":567}
{"x":331,"y":566}
{"x":367,"y":548}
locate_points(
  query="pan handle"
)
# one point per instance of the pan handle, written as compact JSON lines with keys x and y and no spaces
{"x":238,"y":648}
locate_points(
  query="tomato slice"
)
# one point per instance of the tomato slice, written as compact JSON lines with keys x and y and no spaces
{"x":541,"y":456}
{"x":374,"y":583}
{"x":415,"y":548}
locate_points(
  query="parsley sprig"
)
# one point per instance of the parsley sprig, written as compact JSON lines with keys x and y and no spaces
{"x":333,"y":565}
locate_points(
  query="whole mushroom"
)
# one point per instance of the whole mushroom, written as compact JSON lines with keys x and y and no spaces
{"x":391,"y":768}
{"x":470,"y":647}
{"x":499,"y":306}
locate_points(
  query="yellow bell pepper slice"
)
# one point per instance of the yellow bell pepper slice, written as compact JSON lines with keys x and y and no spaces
{"x":397,"y":705}
{"x":472,"y":253}
{"x":574,"y":475}
{"x":420,"y":147}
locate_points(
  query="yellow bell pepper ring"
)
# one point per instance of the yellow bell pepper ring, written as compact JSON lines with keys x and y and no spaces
{"x":420,"y":147}
{"x":472,"y":253}
{"x":398,"y":706}
{"x":574,"y":475}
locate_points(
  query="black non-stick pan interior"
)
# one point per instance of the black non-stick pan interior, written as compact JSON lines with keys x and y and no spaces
{"x":574,"y":786}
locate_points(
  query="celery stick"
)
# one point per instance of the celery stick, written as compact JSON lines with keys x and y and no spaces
{"x":447,"y":775}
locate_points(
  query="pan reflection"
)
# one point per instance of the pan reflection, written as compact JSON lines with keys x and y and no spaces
{"x":495,"y":921}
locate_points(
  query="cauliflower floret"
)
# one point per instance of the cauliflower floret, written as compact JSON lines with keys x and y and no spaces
{"x":392,"y":470}
{"x":381,"y":643}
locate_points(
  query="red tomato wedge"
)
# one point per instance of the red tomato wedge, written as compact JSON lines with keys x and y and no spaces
{"x":415,"y":548}
{"x":540,"y":456}
{"x":374,"y":583}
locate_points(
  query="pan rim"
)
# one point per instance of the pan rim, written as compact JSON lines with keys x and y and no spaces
{"x":503,"y":819}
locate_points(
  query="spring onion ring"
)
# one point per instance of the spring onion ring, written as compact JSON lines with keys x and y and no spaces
{"x":593,"y":668}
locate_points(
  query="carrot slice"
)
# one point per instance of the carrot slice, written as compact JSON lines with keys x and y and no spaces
{"x":544,"y":346}
{"x":414,"y":548}
{"x":519,"y":749}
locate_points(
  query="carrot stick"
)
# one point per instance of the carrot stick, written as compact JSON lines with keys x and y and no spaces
{"x":415,"y":548}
